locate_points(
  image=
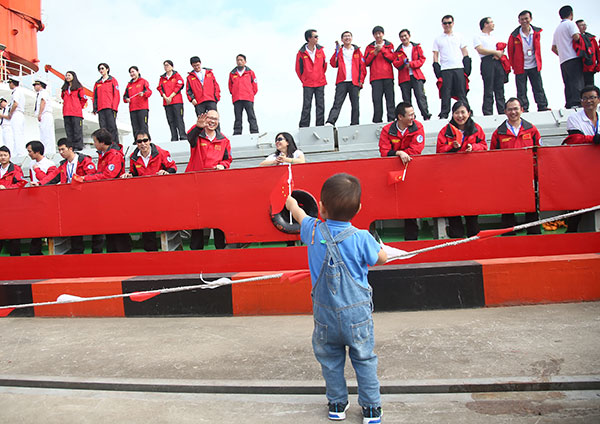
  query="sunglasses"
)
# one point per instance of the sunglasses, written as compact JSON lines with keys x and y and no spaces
{"x":280,"y":139}
{"x":142,"y":140}
{"x":447,"y":23}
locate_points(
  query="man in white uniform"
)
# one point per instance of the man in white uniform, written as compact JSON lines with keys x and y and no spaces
{"x":43,"y":113}
{"x":6,"y":137}
{"x":16,"y":114}
{"x":571,"y":66}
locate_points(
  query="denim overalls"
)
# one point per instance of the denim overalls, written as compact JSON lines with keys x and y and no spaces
{"x":342,"y":314}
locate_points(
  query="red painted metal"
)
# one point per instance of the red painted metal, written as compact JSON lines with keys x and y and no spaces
{"x":237,"y":201}
{"x":568,"y":177}
{"x":276,"y":259}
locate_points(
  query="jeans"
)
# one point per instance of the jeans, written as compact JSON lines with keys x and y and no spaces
{"x":342,"y":311}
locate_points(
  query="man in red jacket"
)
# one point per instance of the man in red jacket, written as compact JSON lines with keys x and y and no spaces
{"x":516,"y":133}
{"x":589,"y":69}
{"x":350,"y":77}
{"x":243,"y":87}
{"x":409,"y":60}
{"x":11,"y":176}
{"x":310,"y":68}
{"x":202,"y":88}
{"x":150,"y":159}
{"x":403,"y":137}
{"x":209,"y":149}
{"x":106,"y":101}
{"x":111,"y":164}
{"x":525,"y":56}
{"x":379,"y":56}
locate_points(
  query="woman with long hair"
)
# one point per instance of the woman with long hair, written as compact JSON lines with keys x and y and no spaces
{"x":136,"y":94}
{"x":74,"y":100}
{"x":286,"y":151}
{"x":106,"y":101}
{"x":461,"y":134}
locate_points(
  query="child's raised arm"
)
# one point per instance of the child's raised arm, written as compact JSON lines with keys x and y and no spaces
{"x":297,"y":212}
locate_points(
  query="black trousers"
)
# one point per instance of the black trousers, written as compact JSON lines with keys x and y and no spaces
{"x":174,"y":114}
{"x":107,"y":118}
{"x":535,"y":79}
{"x":197,"y":239}
{"x":411,"y":229}
{"x":493,"y":76}
{"x":13,"y":246}
{"x":139,"y":121}
{"x":238,"y":108}
{"x":200,"y":108}
{"x":456,"y":229}
{"x":572,"y":76}
{"x":118,"y":243}
{"x":74,"y":130}
{"x":77,"y":245}
{"x":417,"y":86}
{"x":319,"y":95}
{"x":588,"y":79}
{"x":509,"y":220}
{"x":149,"y":242}
{"x":453,"y":83}
{"x":341,"y":90}
{"x":379,"y":88}
{"x":35,"y":247}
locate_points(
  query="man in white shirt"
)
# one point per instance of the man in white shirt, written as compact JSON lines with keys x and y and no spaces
{"x":350,"y":63}
{"x":571,"y":66}
{"x":451,"y":62}
{"x":43,"y":113}
{"x":16,"y":114}
{"x":492,"y":73}
{"x":6,"y":137}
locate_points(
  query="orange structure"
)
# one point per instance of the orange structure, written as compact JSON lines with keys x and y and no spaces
{"x":20,"y":21}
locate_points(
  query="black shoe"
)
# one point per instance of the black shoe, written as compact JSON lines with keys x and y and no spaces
{"x":337,"y":411}
{"x":442,"y":116}
{"x":427,"y":117}
{"x":543,"y":109}
{"x":372,"y":415}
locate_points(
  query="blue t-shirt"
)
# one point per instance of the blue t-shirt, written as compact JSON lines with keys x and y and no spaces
{"x":358,"y":251}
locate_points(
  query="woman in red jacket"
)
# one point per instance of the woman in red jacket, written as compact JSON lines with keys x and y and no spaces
{"x":136,"y":94}
{"x":462,"y":134}
{"x":74,"y":100}
{"x":106,"y":101}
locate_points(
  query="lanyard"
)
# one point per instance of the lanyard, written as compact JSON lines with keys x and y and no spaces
{"x":596,"y":127}
{"x":514,"y":130}
{"x":70,"y":171}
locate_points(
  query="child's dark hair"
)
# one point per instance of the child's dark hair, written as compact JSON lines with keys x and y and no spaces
{"x":340,"y":196}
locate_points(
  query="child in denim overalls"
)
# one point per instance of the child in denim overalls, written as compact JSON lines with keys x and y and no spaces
{"x":338,"y":257}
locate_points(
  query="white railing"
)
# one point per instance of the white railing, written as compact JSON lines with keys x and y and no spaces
{"x":10,"y":67}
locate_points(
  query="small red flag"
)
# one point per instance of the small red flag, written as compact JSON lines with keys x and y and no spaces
{"x":280,"y":193}
{"x":4,"y":312}
{"x":140,"y":297}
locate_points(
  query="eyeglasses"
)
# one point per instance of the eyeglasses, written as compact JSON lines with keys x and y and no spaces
{"x":280,"y":139}
{"x":513,"y":109}
{"x":101,"y":68}
{"x":589,"y":99}
{"x":315,"y":36}
{"x":142,"y":140}
{"x":447,"y":23}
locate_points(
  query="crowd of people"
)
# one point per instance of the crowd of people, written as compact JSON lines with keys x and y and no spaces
{"x":403,"y":136}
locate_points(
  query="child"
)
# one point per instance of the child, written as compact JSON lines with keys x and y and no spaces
{"x":338,"y":256}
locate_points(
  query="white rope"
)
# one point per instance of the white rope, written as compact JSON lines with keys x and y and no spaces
{"x":206,"y":285}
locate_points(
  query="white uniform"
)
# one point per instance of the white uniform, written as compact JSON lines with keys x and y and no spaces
{"x":17,"y":122}
{"x":6,"y":137}
{"x":46,"y":122}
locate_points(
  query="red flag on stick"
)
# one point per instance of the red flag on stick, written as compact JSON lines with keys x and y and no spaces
{"x":397,"y":176}
{"x":280,"y":193}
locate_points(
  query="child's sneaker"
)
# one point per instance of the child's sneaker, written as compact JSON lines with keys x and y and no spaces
{"x":337,"y":411}
{"x":372,"y":415}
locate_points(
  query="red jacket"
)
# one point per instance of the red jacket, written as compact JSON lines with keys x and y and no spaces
{"x":85,"y":166}
{"x":391,"y":140}
{"x":359,"y":69}
{"x":591,"y":62}
{"x":106,"y":94}
{"x":111,"y":164}
{"x":515,"y":50}
{"x":135,"y":87}
{"x":450,"y":133}
{"x":13,"y":178}
{"x":311,"y":74}
{"x":242,"y":87}
{"x":41,"y":175}
{"x":206,"y":154}
{"x":73,"y":102}
{"x":503,"y":138}
{"x":159,"y":159}
{"x":381,"y":64}
{"x":203,"y":92}
{"x":167,"y":86}
{"x":416,"y":61}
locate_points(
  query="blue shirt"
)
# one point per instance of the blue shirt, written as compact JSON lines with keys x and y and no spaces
{"x":358,"y":251}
